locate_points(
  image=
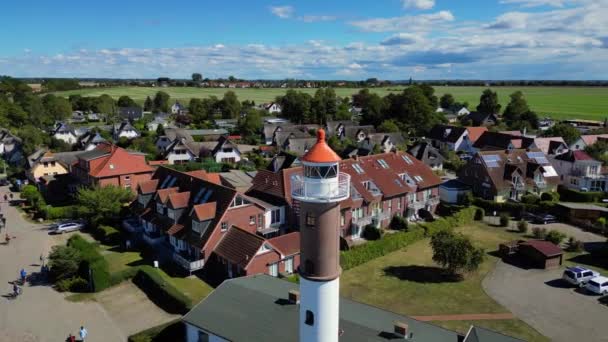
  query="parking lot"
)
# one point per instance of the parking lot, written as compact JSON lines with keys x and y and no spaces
{"x":540,"y":298}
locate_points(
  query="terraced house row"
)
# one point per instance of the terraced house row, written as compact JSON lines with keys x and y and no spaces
{"x":193,"y":220}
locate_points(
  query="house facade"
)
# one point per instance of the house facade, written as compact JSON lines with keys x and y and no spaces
{"x":579,"y":171}
{"x":586,"y":140}
{"x":65,"y":133}
{"x":124,"y":130}
{"x":44,"y":163}
{"x":509,"y":174}
{"x":451,"y":138}
{"x":108,"y":164}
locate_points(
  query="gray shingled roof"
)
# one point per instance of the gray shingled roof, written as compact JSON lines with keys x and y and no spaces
{"x":256,"y":309}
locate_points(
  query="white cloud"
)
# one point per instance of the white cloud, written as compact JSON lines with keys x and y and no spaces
{"x":315,"y":18}
{"x":419,"y":4}
{"x":402,"y":39}
{"x":537,"y":3}
{"x":282,"y":12}
{"x":404,"y":23}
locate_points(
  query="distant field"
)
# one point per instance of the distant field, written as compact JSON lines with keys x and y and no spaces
{"x":557,"y":102}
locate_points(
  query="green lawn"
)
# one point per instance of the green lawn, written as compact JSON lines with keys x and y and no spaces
{"x":408,"y":282}
{"x":557,"y":102}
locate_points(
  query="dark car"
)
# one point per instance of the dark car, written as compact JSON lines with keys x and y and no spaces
{"x":4,"y":182}
{"x":544,"y":218}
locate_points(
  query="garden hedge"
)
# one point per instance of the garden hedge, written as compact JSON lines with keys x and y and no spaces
{"x":514,"y":208}
{"x":58,"y":213}
{"x":569,"y":195}
{"x":392,"y":242}
{"x":107,"y":234}
{"x":92,"y":260}
{"x":160,"y":291}
{"x":171,"y":331}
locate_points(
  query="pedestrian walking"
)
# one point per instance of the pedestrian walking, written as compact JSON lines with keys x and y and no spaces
{"x":23,"y":275}
{"x":83,"y":333}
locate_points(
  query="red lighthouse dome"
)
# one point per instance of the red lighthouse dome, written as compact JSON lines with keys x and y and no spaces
{"x":321,"y":152}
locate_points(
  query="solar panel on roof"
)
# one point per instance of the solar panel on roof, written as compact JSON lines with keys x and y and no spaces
{"x":492,"y":164}
{"x":541,"y":160}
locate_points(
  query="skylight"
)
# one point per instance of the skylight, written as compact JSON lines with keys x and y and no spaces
{"x":383,"y":163}
{"x":418,"y":179}
{"x":407,"y":159}
{"x":207,"y":195}
{"x":491,"y":160}
{"x":358,"y":168}
{"x":165,"y":182}
{"x":198,"y":195}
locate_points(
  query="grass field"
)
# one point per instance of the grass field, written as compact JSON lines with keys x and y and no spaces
{"x":408,"y":282}
{"x":557,"y":102}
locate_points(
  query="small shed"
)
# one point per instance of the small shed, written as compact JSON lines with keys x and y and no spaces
{"x":582,"y":211}
{"x":541,"y":254}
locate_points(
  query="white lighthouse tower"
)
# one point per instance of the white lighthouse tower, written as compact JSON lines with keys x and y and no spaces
{"x":320,"y":188}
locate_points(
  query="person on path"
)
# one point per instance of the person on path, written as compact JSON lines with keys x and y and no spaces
{"x":15,"y":289}
{"x":71,"y":338}
{"x":5,"y":197}
{"x":23,"y":275}
{"x":83,"y":334}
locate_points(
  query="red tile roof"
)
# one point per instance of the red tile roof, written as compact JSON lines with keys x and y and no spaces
{"x":239,"y":246}
{"x":288,"y":244}
{"x":120,"y":162}
{"x":176,"y":228}
{"x":158,"y":162}
{"x":591,"y":139}
{"x":581,"y":155}
{"x":547,"y":248}
{"x":321,"y":152}
{"x":475,"y":132}
{"x":179,"y":200}
{"x":148,"y":187}
{"x":204,"y":211}
{"x":207,"y":176}
{"x":163,"y":194}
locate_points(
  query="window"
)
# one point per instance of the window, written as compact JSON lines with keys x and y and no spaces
{"x":407,"y":159}
{"x":46,"y":164}
{"x":224,"y":226}
{"x":252,"y":219}
{"x":383,"y":163}
{"x":127,"y":178}
{"x":358,"y":168}
{"x":310,"y":318}
{"x":275,"y":216}
{"x":310,"y":220}
{"x":273,"y":269}
{"x":342,"y":219}
{"x":239,"y":201}
{"x":260,"y":220}
{"x":399,"y":204}
{"x":52,"y":163}
{"x":203,"y":336}
{"x":390,"y":206}
{"x":159,"y":208}
{"x":418,"y":178}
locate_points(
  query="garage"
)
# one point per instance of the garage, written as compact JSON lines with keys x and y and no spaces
{"x":541,"y":254}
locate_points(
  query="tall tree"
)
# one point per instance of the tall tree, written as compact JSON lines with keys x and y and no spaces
{"x":148,"y":104}
{"x":488,"y":102}
{"x":447,"y":101}
{"x":372,"y":109}
{"x":58,"y":108}
{"x":32,"y":138}
{"x":566,"y":131}
{"x":105,"y":105}
{"x":413,"y":111}
{"x":161,"y":102}
{"x":295,"y":106}
{"x":102,"y":203}
{"x":126,"y":101}
{"x":517,"y":114}
{"x":429,"y":93}
{"x":251,"y":124}
{"x":197,"y":77}
{"x":36,"y":111}
{"x":388,"y":126}
{"x":230,"y":106}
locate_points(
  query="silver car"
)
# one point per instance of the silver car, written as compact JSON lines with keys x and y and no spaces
{"x":66,"y":227}
{"x":578,"y":275}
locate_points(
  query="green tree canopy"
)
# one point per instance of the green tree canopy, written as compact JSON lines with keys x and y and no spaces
{"x":518,"y":115}
{"x":148,"y":104}
{"x":197,"y":77}
{"x":37,"y":114}
{"x":230,"y":106}
{"x":125,"y":101}
{"x":447,"y":101}
{"x":32,"y":138}
{"x":161,"y":102}
{"x":413,"y":111}
{"x":57,"y":108}
{"x":296,"y":106}
{"x":488,"y":102}
{"x":251,"y":124}
{"x":599,"y":151}
{"x":388,"y":126}
{"x":105,"y":105}
{"x":64,"y":262}
{"x":455,"y":252}
{"x":566,"y":131}
{"x":102,"y":204}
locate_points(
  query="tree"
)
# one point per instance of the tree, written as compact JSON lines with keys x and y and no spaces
{"x":517,"y":115}
{"x":413,"y":111}
{"x":455,"y":252}
{"x":555,"y":237}
{"x":598,"y":151}
{"x":57,"y":108}
{"x":429,"y":93}
{"x":125,"y":101}
{"x":488,"y":102}
{"x":148,"y":104}
{"x":102,"y":204}
{"x":296,"y":106}
{"x":31,"y":195}
{"x":388,"y":126}
{"x":36,"y":111}
{"x":105,"y":105}
{"x":161,"y":102}
{"x":160,"y":130}
{"x":568,"y":132}
{"x":251,"y":124}
{"x":372,"y":111}
{"x":64,"y":262}
{"x":197,"y":77}
{"x":32,"y":138}
{"x":447,"y":101}
{"x":230,"y":106}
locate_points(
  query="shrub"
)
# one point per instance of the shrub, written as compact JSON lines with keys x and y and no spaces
{"x":574,"y":245}
{"x":57,"y":213}
{"x":530,"y":199}
{"x":64,"y":262}
{"x":92,"y":260}
{"x":108,"y":235}
{"x":549,"y":196}
{"x":479,"y":214}
{"x":539,"y":233}
{"x":74,"y":284}
{"x":570,"y":195}
{"x":555,"y":237}
{"x":160,"y":291}
{"x":455,"y":252}
{"x":370,"y":232}
{"x":504,"y":220}
{"x":522,"y":226}
{"x":398,"y":223}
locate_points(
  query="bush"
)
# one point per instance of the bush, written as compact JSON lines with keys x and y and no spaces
{"x":479,"y":214}
{"x":398,"y":223}
{"x":569,"y":195}
{"x":549,"y":197}
{"x":370,"y":232}
{"x":522,"y":226}
{"x":160,"y":291}
{"x":64,"y":262}
{"x":108,"y":235}
{"x":74,"y":284}
{"x":58,"y":213}
{"x":539,"y":233}
{"x":530,"y":199}
{"x":504,"y":220}
{"x":455,"y":252}
{"x":574,"y":245}
{"x":555,"y":237}
{"x":93,"y":260}
{"x":514,"y":208}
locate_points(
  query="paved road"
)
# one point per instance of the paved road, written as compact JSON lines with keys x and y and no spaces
{"x":540,"y":299}
{"x":42,"y":314}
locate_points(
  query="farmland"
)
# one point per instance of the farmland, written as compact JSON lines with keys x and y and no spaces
{"x":556,"y":102}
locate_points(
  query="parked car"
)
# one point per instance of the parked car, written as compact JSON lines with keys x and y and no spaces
{"x":544,"y":218}
{"x":598,"y":285}
{"x":66,"y":227}
{"x":578,"y":275}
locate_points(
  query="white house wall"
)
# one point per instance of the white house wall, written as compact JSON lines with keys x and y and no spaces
{"x":172,"y":157}
{"x":67,"y":138}
{"x":222,"y":155}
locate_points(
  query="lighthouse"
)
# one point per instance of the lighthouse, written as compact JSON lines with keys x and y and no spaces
{"x":319,"y":189}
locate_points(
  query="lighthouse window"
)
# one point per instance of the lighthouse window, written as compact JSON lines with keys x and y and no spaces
{"x":310,"y":219}
{"x":310,"y":318}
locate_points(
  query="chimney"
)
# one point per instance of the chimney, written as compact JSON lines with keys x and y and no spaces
{"x":294,"y":296}
{"x":400,"y":329}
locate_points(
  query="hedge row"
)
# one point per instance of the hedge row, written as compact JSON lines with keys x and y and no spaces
{"x":160,"y":291}
{"x":57,"y":213}
{"x":392,"y":242}
{"x":92,"y":260}
{"x":107,"y":234}
{"x":569,"y":195}
{"x":171,"y":331}
{"x":514,"y":208}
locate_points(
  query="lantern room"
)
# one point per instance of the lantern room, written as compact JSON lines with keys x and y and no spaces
{"x":321,"y":180}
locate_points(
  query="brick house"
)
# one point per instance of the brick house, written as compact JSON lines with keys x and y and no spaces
{"x":109,"y":164}
{"x":186,"y":216}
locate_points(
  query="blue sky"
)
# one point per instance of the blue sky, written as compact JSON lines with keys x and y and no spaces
{"x":388,"y":39}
